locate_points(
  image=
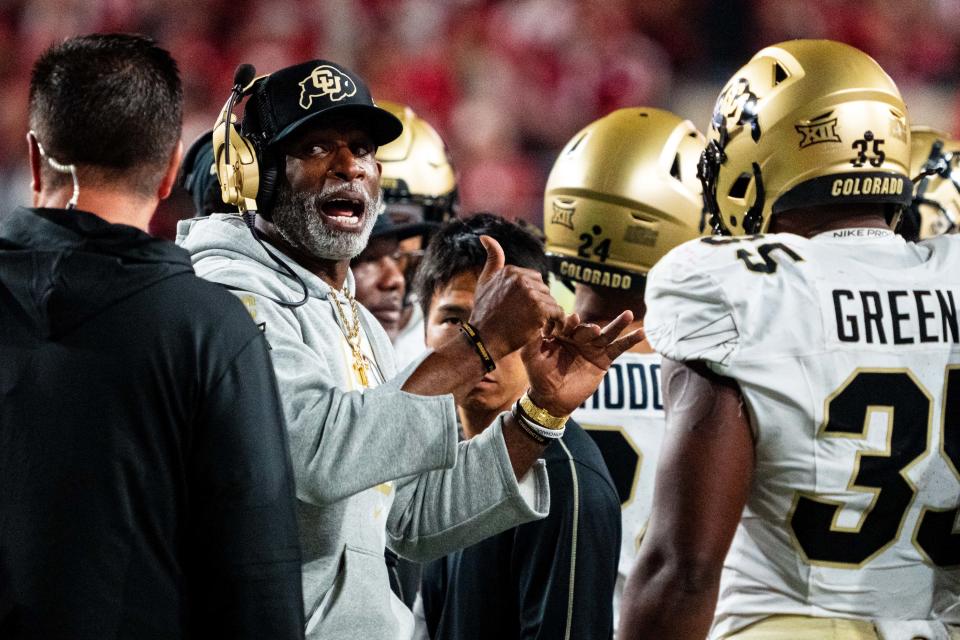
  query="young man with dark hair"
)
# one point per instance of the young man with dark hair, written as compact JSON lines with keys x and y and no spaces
{"x":146,"y":483}
{"x":552,"y":578}
{"x":89,"y":98}
{"x":807,"y":486}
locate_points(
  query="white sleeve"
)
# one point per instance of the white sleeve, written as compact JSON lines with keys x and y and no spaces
{"x":688,"y":315}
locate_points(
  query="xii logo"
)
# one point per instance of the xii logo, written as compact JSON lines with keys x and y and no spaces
{"x":818,"y":130}
{"x":563,"y":214}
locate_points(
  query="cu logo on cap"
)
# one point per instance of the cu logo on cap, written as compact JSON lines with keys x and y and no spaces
{"x":326,"y":82}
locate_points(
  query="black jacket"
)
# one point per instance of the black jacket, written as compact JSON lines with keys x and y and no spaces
{"x":546,"y":580}
{"x":145,"y":482}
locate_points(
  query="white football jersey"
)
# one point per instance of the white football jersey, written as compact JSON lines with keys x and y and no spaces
{"x":625,"y":418}
{"x":846,"y":348}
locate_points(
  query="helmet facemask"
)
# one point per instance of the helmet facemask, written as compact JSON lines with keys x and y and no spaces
{"x":935,"y":209}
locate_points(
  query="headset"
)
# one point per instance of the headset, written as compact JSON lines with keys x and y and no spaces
{"x":236,"y":157}
{"x":244,"y":173}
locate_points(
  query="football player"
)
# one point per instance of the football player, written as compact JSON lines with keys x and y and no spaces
{"x":622,"y":193}
{"x":935,"y":168}
{"x":418,"y":179}
{"x":811,"y":376}
{"x":419,"y":188}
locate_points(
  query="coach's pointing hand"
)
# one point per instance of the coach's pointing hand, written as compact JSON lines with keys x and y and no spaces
{"x":565,"y":370}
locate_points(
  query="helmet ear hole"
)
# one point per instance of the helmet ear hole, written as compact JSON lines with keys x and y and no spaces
{"x":738,"y":189}
{"x":779,"y":73}
{"x":675,"y":168}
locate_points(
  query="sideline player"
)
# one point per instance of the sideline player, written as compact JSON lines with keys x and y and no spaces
{"x":419,"y":187}
{"x":380,"y":272}
{"x":935,"y":167}
{"x":811,"y":376}
{"x":621,"y":194}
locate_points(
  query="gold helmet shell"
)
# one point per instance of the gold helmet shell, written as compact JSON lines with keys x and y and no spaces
{"x":935,"y":166}
{"x":621,"y":194}
{"x":804,"y":123}
{"x":417,"y":172}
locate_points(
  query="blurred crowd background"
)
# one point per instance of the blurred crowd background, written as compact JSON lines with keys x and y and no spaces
{"x":507,"y":83}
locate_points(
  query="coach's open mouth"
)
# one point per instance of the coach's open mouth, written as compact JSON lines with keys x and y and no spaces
{"x":343,"y":212}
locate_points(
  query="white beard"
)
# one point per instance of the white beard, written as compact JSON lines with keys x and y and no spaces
{"x":298,"y":220}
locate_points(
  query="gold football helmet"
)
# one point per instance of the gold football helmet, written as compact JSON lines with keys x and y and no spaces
{"x":622,"y":193}
{"x":804,"y":123}
{"x":935,"y":166}
{"x":418,"y":179}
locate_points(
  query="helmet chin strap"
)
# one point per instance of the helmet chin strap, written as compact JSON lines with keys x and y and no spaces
{"x":753,"y":219}
{"x":61,"y":168}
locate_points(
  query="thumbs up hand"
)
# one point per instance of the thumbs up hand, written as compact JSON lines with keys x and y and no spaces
{"x":495,"y":259}
{"x":512,"y":305}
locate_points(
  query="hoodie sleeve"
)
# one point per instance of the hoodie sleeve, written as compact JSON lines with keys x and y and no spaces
{"x":439,"y":512}
{"x":343,"y":442}
{"x":244,"y":572}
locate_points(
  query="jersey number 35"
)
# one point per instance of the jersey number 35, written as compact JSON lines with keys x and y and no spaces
{"x":908,"y":405}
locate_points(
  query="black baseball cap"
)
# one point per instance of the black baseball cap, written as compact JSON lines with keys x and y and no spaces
{"x":306,"y":93}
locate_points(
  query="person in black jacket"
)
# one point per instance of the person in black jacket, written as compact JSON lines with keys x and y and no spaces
{"x":548,"y":579}
{"x":145,"y":482}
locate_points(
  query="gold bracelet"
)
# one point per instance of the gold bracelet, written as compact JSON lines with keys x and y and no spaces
{"x":541,"y":416}
{"x":533,"y":435}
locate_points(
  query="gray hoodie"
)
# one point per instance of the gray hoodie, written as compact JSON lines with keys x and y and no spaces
{"x":374,"y":468}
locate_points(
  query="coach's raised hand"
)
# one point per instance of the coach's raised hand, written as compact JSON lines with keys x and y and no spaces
{"x":513,"y":305}
{"x":512,"y":308}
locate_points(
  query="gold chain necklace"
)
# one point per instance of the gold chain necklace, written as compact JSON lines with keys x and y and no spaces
{"x":352,"y":334}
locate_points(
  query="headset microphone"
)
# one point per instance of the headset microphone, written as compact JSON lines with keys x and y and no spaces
{"x":244,"y":75}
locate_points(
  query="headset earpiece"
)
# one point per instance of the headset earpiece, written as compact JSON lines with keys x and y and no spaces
{"x":236,"y":157}
{"x":237,"y":165}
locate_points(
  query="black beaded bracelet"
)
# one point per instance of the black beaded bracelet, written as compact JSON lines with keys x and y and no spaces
{"x":471,"y":333}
